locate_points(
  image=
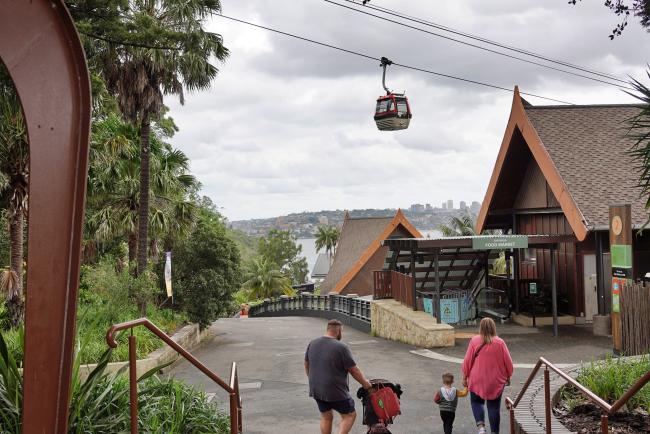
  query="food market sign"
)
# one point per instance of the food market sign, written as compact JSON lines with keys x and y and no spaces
{"x":505,"y":242}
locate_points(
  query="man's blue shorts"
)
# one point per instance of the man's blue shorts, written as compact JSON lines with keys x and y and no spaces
{"x":345,"y":406}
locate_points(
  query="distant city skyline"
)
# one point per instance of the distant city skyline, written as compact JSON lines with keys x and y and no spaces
{"x":423,"y":206}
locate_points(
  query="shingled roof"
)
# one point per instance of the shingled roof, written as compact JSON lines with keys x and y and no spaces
{"x":360,"y":238}
{"x":582,"y":152}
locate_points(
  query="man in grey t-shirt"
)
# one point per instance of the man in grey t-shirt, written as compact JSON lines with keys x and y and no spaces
{"x":327,"y":364}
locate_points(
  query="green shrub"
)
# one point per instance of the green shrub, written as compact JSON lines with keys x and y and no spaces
{"x":612,"y":377}
{"x":100,"y":404}
{"x":206,"y":271}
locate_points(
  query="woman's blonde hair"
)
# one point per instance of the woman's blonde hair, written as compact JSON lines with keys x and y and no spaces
{"x":487,"y":329}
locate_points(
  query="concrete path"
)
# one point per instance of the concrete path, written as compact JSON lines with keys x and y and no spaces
{"x":270,"y":351}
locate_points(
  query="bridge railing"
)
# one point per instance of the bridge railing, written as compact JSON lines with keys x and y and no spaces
{"x":349,"y":310}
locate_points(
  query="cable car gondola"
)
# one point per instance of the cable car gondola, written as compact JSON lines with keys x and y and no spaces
{"x":392,"y":111}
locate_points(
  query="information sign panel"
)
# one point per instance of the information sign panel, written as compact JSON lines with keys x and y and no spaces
{"x":504,"y":242}
{"x":449,"y":310}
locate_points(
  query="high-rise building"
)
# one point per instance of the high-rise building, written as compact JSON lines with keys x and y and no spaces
{"x":444,"y":205}
{"x":475,"y":207}
{"x":450,"y":204}
{"x":428,"y":207}
{"x":417,"y":207}
{"x":463,"y":205}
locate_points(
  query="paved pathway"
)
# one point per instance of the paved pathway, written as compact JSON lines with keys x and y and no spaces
{"x":269,"y":353}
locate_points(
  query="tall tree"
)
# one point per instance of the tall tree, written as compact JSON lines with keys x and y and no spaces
{"x":14,"y":179}
{"x":640,"y":132}
{"x":113,"y":187}
{"x":282,"y":249}
{"x":327,"y":237}
{"x":147,"y":49}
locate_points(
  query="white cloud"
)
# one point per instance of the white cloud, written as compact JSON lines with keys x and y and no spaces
{"x":287,"y":126}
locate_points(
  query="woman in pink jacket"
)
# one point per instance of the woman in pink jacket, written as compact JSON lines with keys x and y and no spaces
{"x":487,"y":369}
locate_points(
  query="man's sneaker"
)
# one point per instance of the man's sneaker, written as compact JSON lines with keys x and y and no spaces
{"x":481,"y":430}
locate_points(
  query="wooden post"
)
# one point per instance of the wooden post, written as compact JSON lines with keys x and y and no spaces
{"x":414,"y":282}
{"x":620,"y":237}
{"x":437,"y":271}
{"x":554,"y":288}
{"x":515,"y":265}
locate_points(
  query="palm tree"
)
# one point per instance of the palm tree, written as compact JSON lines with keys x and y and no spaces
{"x":170,"y":53}
{"x":264,"y":279}
{"x":640,"y":133}
{"x":458,"y":227}
{"x":14,"y":179}
{"x":113,"y":188}
{"x":327,"y":237}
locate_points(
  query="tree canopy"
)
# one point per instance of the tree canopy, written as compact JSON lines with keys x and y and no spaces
{"x":625,"y":8}
{"x":282,"y":249}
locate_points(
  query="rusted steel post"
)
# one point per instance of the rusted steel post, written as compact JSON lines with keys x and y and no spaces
{"x":547,"y":399}
{"x":42,"y":52}
{"x":604,"y":424}
{"x":512,"y":419}
{"x":133,"y":383}
{"x":234,"y":422}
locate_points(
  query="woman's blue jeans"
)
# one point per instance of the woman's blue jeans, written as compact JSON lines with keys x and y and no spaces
{"x":493,"y":409}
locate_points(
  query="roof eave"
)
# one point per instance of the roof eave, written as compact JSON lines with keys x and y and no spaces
{"x":519,"y":119}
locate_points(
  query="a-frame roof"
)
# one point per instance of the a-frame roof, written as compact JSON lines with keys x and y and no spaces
{"x":582,"y":153}
{"x":359,"y":240}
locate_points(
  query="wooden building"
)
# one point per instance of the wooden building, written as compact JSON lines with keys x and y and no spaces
{"x":359,"y":252}
{"x":558,"y":171}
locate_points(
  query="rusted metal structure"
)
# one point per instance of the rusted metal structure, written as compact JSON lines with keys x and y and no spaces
{"x":606,"y":408}
{"x":42,"y":52}
{"x":232,"y":387}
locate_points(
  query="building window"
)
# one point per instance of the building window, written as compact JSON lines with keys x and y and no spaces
{"x":530,"y":256}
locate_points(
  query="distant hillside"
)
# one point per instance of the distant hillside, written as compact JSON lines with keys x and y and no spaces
{"x":304,"y":224}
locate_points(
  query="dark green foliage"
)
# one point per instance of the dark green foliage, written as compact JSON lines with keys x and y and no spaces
{"x":640,"y":132}
{"x":206,"y":269}
{"x":100,"y":403}
{"x":282,"y":249}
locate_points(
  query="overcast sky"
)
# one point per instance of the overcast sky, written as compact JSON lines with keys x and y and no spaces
{"x":287,"y":126}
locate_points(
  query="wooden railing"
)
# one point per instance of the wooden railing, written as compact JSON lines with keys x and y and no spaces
{"x":606,"y":408}
{"x":232,"y":387}
{"x":392,"y":284}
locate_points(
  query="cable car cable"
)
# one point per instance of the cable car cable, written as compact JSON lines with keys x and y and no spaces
{"x":477,"y":46}
{"x":485,"y":40}
{"x":367,"y":56}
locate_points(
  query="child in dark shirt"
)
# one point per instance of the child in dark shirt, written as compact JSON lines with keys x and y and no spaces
{"x":447,"y":399}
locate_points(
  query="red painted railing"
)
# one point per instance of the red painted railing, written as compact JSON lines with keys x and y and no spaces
{"x":232,"y":388}
{"x":391,"y":284}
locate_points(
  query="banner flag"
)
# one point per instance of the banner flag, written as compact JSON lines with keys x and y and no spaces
{"x":168,"y":273}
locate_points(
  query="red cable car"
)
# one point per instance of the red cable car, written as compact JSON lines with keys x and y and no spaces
{"x":392,"y":111}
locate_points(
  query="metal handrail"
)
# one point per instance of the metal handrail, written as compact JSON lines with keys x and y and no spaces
{"x":608,"y":409}
{"x":232,"y":387}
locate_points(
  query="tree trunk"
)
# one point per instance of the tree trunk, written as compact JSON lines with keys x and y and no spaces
{"x":143,"y":210}
{"x":15,"y":300}
{"x":133,"y":246}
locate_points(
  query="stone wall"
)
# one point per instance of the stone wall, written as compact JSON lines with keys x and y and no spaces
{"x":396,"y":322}
{"x":189,"y":337}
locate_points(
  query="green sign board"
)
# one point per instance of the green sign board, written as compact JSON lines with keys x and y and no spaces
{"x":621,"y":256}
{"x":504,"y":242}
{"x":621,"y":272}
{"x":532,"y":288}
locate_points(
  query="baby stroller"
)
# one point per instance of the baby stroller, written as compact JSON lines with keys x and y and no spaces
{"x":370,"y":419}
